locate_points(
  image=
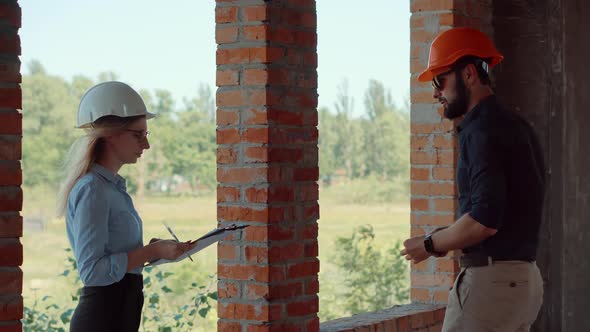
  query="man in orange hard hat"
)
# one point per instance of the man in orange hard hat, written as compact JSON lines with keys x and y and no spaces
{"x":500,"y":177}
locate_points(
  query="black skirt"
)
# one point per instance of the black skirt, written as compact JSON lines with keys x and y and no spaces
{"x":112,"y":308}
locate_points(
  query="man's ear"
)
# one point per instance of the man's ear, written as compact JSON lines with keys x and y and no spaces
{"x":470,"y":73}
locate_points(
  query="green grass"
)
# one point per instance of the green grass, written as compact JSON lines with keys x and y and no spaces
{"x":45,"y":258}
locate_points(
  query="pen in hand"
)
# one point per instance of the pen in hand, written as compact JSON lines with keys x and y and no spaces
{"x":174,"y":236}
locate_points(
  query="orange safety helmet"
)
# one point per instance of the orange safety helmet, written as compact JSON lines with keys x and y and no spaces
{"x":453,"y":44}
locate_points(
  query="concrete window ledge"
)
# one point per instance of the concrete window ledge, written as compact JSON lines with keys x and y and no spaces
{"x":401,"y":318}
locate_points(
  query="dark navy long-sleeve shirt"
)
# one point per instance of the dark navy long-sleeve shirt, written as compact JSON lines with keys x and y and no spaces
{"x":500,"y":177}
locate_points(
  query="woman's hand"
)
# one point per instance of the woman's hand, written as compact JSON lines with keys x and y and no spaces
{"x":169,"y":249}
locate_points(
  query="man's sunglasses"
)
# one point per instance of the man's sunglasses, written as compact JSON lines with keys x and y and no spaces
{"x":438,"y":82}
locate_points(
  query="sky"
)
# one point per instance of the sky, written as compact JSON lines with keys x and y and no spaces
{"x":171,"y":45}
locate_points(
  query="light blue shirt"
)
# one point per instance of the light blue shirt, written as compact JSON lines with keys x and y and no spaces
{"x":102,"y":227}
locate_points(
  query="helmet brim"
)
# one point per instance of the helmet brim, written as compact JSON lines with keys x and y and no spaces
{"x":430,"y":72}
{"x":148,"y":115}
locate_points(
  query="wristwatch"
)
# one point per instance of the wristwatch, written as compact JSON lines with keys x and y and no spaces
{"x":429,"y":245}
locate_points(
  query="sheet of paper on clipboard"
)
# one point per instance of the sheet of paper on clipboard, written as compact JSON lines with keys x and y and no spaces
{"x":202,"y":243}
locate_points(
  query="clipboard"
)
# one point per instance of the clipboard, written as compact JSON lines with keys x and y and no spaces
{"x":202,"y":243}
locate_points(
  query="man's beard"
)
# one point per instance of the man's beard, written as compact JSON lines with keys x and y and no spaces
{"x":457,"y":107}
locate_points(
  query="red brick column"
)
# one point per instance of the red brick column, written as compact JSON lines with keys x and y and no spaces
{"x":267,"y":162}
{"x":433,"y":143}
{"x":11,"y":196}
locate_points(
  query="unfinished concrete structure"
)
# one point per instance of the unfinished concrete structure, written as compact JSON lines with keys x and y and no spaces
{"x":267,"y":158}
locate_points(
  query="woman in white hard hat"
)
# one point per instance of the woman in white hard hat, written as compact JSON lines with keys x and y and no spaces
{"x":103,"y":227}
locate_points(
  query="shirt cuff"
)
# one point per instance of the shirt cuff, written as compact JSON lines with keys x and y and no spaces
{"x":485,"y":217}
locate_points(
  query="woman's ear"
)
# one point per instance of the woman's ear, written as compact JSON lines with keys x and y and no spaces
{"x":108,"y":139}
{"x":111,"y":139}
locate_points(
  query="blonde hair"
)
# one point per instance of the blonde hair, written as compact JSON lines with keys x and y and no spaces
{"x":85,"y":151}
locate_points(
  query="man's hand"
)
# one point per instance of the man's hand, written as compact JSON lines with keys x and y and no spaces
{"x":414,"y":249}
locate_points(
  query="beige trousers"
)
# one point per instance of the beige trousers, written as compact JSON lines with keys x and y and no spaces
{"x":503,"y":297}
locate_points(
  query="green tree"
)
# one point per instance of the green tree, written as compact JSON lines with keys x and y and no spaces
{"x":203,"y":103}
{"x":190,"y":148}
{"x":80,"y":84}
{"x":182,"y":143}
{"x":327,"y":143}
{"x":347,"y":148}
{"x":49,"y":112}
{"x":374,"y":279}
{"x":108,"y":76}
{"x":153,"y":165}
{"x":164,"y":103}
{"x":387,"y":134}
{"x":35,"y":67}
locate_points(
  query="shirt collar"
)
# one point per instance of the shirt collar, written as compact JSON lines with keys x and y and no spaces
{"x":474,"y":113}
{"x":116,"y":179}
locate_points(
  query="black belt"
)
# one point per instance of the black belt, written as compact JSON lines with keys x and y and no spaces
{"x":476,"y":260}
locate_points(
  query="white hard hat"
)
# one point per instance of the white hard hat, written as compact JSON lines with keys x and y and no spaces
{"x":110,"y":98}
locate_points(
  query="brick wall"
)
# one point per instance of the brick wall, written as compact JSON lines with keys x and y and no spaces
{"x":406,"y":318}
{"x":433,"y":141}
{"x":267,"y":162}
{"x":11,"y":196}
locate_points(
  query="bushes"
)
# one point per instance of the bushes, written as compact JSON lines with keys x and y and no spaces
{"x":373,"y":278}
{"x":164,"y":309}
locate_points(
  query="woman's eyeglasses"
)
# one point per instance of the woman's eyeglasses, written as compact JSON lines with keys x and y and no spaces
{"x":140,"y":135}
